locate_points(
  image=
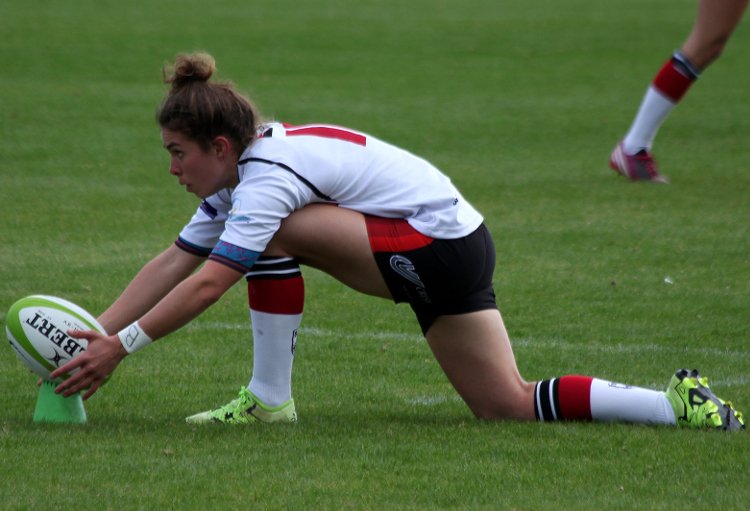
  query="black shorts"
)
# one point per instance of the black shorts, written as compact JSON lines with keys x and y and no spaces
{"x":437,"y":277}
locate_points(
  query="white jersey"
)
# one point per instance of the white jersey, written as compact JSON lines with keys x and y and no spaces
{"x":287,"y":168}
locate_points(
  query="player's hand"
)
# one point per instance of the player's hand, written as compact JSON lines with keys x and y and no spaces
{"x":100,"y":359}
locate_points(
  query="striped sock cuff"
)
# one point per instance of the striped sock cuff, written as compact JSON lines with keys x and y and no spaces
{"x":564,"y":398}
{"x":274,"y":268}
{"x":275,"y":286}
{"x":675,"y":78}
{"x":547,"y":400}
{"x":683,"y":64}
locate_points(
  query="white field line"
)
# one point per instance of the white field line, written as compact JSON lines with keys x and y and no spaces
{"x":552,"y":344}
{"x":436,"y":400}
{"x":315,"y":332}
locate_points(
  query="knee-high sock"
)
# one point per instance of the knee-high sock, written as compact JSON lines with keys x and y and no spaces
{"x":667,"y":89}
{"x":276,"y":294}
{"x":586,"y":398}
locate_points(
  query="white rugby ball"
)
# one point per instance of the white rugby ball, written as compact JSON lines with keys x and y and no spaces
{"x":37,"y":329}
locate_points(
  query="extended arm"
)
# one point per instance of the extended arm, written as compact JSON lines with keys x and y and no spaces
{"x":186,"y":301}
{"x":152,"y":283}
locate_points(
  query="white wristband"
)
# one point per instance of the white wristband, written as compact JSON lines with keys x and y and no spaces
{"x":133,"y":338}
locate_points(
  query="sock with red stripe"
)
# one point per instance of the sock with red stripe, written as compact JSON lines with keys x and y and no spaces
{"x":584,"y":398}
{"x":667,"y":89}
{"x":276,"y":293}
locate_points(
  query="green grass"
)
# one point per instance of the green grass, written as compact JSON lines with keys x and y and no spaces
{"x":520,"y":103}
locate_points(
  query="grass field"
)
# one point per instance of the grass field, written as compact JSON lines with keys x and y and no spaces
{"x":520,"y":104}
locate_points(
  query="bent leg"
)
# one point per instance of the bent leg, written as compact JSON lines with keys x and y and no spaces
{"x":475,"y":353}
{"x":714,"y":24}
{"x":473,"y":349}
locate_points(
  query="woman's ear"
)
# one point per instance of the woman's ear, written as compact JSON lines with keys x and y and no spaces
{"x":223,"y":146}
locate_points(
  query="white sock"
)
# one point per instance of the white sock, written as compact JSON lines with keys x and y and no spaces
{"x":274,"y":343}
{"x":617,"y":402}
{"x":654,"y":109}
{"x":276,"y":293}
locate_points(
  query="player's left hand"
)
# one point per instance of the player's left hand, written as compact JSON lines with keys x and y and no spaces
{"x":100,"y":359}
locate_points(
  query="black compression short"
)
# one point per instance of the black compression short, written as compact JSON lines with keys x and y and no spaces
{"x":436,"y":277}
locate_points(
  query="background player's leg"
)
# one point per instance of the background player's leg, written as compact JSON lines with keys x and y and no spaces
{"x":714,"y":24}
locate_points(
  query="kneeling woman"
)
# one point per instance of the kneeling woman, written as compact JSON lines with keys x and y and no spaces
{"x":372,"y":215}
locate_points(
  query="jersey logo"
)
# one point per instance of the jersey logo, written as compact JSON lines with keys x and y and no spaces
{"x":235,"y":216}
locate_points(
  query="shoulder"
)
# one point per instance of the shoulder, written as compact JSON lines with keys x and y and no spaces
{"x":270,"y":145}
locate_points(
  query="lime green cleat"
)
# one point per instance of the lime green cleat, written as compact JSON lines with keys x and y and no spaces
{"x":244,"y":410}
{"x":696,"y":406}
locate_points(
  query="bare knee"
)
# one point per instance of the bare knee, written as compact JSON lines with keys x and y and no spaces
{"x":711,"y":51}
{"x":515,"y":403}
{"x":476,"y":355}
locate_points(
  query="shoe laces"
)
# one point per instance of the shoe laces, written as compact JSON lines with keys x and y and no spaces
{"x":245,"y":399}
{"x":234,"y":405}
{"x":645,"y":159}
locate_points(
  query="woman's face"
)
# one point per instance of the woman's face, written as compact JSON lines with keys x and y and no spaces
{"x":202,"y":172}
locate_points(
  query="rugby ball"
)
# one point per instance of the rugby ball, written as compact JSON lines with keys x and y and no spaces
{"x":37,"y":329}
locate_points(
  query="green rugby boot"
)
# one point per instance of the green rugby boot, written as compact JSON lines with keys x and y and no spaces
{"x":696,"y":406}
{"x":244,"y":410}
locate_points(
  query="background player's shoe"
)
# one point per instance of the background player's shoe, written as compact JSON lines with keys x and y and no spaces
{"x":696,"y":406}
{"x":636,"y":167}
{"x":246,"y":409}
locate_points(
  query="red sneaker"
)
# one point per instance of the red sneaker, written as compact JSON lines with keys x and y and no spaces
{"x":637,"y":167}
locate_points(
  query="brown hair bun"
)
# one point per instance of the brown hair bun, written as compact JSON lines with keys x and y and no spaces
{"x":187,"y":68}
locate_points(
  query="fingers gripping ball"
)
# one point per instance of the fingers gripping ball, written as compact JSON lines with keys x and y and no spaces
{"x":37,"y":329}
